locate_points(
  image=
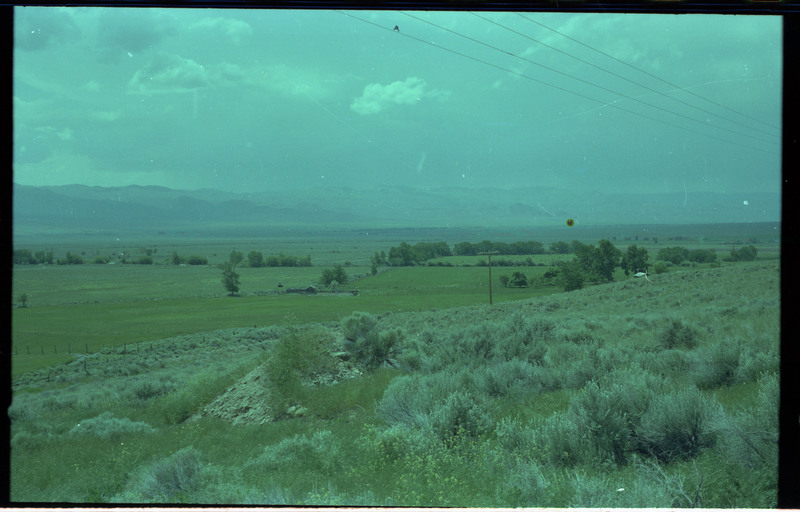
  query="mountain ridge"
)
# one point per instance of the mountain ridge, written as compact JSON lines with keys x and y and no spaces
{"x":147,"y":208}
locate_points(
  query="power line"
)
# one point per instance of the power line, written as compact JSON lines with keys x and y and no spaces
{"x":675,"y":86}
{"x":562,"y":89}
{"x":578,"y":79}
{"x":617,"y":75}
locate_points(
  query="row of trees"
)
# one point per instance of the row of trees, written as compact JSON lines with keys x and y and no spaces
{"x":503,"y":248}
{"x":256,"y":259}
{"x":25,"y":257}
{"x":406,"y":254}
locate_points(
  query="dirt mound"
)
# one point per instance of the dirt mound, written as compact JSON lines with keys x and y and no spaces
{"x":244,"y":402}
{"x":247,"y":401}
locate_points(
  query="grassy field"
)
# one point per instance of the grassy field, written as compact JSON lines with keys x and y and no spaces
{"x":75,"y":309}
{"x":503,"y":406}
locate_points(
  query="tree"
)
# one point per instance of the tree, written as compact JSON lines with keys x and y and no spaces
{"x":236,"y":257}
{"x":230,"y":278}
{"x":600,"y":261}
{"x":634,"y":259}
{"x":607,"y":259}
{"x":518,"y":280}
{"x":675,"y":255}
{"x":176,"y":259}
{"x":560,"y":248}
{"x":571,"y":275}
{"x":255,"y":259}
{"x":337,"y":274}
{"x":747,"y":253}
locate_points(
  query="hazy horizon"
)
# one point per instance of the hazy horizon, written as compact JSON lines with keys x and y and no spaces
{"x":249,"y":100}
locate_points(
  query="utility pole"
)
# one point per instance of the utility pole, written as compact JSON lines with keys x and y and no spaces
{"x":489,"y":254}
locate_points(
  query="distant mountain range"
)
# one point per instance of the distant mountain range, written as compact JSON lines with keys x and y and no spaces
{"x":152,"y":209}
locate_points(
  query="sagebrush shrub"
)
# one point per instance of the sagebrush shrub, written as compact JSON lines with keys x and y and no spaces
{"x":715,"y":365}
{"x":559,"y":442}
{"x":677,"y":425}
{"x":754,"y":363}
{"x":296,"y":357}
{"x":678,"y":335}
{"x":404,"y":403}
{"x":508,"y":378}
{"x":107,"y":426}
{"x":320,"y":452}
{"x":608,"y":411}
{"x":523,"y":485}
{"x":173,"y":478}
{"x":750,"y":438}
{"x":146,"y":389}
{"x":516,"y":437}
{"x":596,"y":413}
{"x":358,"y":325}
{"x":460,"y":416}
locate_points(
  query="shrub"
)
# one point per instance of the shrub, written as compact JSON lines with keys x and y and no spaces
{"x":403,"y":403}
{"x":144,"y":390}
{"x":366,"y":344}
{"x":107,"y":426}
{"x":609,"y":410}
{"x":197,"y":260}
{"x":508,"y":378}
{"x":376,"y":348}
{"x":677,"y":425}
{"x":358,"y":325}
{"x":715,"y":365}
{"x":458,"y":417}
{"x":750,"y":438}
{"x":559,"y":442}
{"x":396,"y":442}
{"x":320,"y":452}
{"x":678,"y":334}
{"x":753,"y":363}
{"x":524,"y":485}
{"x":296,"y":357}
{"x":595,"y":412}
{"x":173,"y":478}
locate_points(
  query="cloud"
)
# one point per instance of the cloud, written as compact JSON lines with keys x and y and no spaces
{"x":40,"y":28}
{"x":377,"y":97}
{"x":235,"y":30}
{"x":169,"y":73}
{"x":132,"y":30}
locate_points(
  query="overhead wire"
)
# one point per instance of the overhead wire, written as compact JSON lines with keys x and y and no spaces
{"x":671,"y":84}
{"x":560,"y":88}
{"x":617,"y":75}
{"x":578,"y":79}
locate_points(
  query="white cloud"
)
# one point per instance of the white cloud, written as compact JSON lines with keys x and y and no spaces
{"x":235,"y":30}
{"x":169,"y":73}
{"x":377,"y":97}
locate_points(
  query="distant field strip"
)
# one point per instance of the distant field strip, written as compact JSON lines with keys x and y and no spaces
{"x":113,"y":308}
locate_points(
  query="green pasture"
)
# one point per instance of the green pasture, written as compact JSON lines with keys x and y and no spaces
{"x":74,"y":308}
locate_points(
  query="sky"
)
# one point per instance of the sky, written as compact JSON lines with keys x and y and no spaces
{"x":256,"y":100}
